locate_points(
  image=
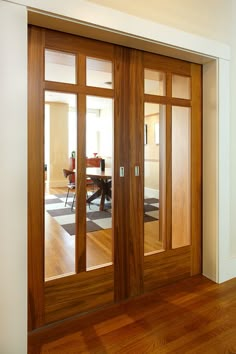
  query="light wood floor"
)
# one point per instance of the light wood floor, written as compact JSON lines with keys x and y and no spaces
{"x":194,"y":316}
{"x":60,"y":246}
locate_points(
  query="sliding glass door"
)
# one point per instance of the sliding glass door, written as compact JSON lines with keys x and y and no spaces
{"x":114,"y":174}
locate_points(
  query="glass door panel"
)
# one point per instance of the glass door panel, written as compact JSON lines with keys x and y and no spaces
{"x":181,"y":176}
{"x":59,"y":165}
{"x":99,"y":73}
{"x":181,"y":86}
{"x":154,"y":82}
{"x":153,"y":122}
{"x":60,"y":66}
{"x":99,"y":161}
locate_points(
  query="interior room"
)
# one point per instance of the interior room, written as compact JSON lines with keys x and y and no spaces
{"x":60,"y":153}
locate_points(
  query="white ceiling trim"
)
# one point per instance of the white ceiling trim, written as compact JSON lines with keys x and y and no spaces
{"x":118,"y":22}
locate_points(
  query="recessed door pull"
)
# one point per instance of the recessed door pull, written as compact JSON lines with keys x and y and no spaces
{"x":122,"y":171}
{"x":136,"y":171}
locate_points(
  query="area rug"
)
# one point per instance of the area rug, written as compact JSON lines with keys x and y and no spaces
{"x":96,"y":220}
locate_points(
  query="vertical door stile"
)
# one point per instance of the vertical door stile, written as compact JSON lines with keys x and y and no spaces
{"x":136,"y":138}
{"x":168,"y":179}
{"x":162,"y":185}
{"x":120,"y":193}
{"x":80,"y":230}
{"x":168,"y":165}
{"x":196,"y":169}
{"x":35,"y":179}
{"x":81,"y":70}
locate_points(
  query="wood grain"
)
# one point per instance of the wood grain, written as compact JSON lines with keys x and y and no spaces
{"x":152,"y":242}
{"x":167,"y":100}
{"x":38,"y":40}
{"x":92,"y":91}
{"x":172,"y":66}
{"x":60,"y":247}
{"x":192,"y":316}
{"x":181,"y":176}
{"x":75,"y":44}
{"x":166,"y":267}
{"x":35,"y":179}
{"x":121,"y":211}
{"x":81,"y":186}
{"x":133,"y":273}
{"x":196,"y":169}
{"x":78,"y":293}
{"x":168,"y":181}
{"x":166,"y":64}
{"x":136,"y":183}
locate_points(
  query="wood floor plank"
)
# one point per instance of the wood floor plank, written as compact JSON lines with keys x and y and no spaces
{"x":194,"y":315}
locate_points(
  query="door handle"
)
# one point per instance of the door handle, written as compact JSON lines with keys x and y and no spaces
{"x":122,"y":171}
{"x":136,"y":171}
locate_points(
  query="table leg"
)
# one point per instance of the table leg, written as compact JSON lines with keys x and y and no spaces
{"x":104,"y":191}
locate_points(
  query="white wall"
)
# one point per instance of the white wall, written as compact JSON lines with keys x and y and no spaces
{"x":13,"y":137}
{"x":233,"y":131}
{"x":206,"y":18}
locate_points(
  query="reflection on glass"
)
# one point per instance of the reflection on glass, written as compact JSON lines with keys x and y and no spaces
{"x":181,"y":176}
{"x":154,"y":82}
{"x":181,"y":87}
{"x":99,"y":73}
{"x":99,"y":147}
{"x":154,"y":118}
{"x":60,"y":66}
{"x":59,"y":152}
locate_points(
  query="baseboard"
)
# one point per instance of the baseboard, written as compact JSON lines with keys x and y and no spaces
{"x":151,"y":193}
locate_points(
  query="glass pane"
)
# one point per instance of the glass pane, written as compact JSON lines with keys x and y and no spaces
{"x":181,"y":176}
{"x":181,"y":87}
{"x":154,"y":82}
{"x":99,"y":73}
{"x":99,"y":150}
{"x":154,"y":120}
{"x":60,"y":146}
{"x":60,"y":66}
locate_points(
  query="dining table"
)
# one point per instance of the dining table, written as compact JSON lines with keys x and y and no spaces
{"x":103,"y":181}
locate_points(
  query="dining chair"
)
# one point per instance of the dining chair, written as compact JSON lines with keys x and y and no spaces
{"x":69,"y":175}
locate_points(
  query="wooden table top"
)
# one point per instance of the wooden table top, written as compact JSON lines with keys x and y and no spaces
{"x":96,"y":172}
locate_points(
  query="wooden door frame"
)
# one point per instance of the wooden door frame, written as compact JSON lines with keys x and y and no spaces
{"x":42,"y":307}
{"x":190,"y":257}
{"x":129,"y":263}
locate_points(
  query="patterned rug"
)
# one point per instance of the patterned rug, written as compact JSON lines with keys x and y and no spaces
{"x":96,"y":220}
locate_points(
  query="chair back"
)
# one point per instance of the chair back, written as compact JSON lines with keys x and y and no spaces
{"x":68,"y":174}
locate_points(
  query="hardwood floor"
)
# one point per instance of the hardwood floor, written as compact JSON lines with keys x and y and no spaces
{"x":192,"y":316}
{"x":60,"y":246}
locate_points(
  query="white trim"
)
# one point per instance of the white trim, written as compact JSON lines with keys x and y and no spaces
{"x":227,"y":265}
{"x":210,"y":171}
{"x":151,"y":193}
{"x":117,"y":21}
{"x":13,"y":137}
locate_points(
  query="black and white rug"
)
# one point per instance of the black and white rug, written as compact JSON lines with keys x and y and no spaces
{"x":96,"y":220}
